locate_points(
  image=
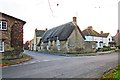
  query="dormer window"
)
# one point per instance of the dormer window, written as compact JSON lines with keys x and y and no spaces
{"x":3,"y":25}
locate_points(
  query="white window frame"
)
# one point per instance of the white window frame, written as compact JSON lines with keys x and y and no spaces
{"x":1,"y":27}
{"x":2,"y":46}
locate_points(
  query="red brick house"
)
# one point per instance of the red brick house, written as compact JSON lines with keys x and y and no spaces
{"x":11,"y":35}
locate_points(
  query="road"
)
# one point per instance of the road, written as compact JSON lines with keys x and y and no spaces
{"x":54,"y":66}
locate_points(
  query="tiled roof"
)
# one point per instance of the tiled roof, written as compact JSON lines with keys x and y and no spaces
{"x":62,"y":32}
{"x":105,"y":35}
{"x":90,"y":32}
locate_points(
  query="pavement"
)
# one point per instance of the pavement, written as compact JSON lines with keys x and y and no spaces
{"x":46,"y":65}
{"x":83,"y":54}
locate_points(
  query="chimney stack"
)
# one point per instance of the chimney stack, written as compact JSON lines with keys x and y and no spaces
{"x":118,"y":31}
{"x":90,"y":27}
{"x":36,"y":29}
{"x":75,"y":19}
{"x":46,"y":29}
{"x":101,"y":32}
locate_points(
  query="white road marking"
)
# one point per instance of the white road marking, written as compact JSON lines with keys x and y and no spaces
{"x":46,"y":60}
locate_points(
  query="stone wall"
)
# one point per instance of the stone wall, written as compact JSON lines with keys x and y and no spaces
{"x":90,"y":46}
{"x":76,"y":42}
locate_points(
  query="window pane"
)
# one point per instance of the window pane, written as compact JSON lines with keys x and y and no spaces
{"x":1,"y":46}
{"x":0,"y":24}
{"x":4,"y":24}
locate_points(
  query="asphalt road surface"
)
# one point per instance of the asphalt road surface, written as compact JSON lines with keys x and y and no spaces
{"x":54,"y":66}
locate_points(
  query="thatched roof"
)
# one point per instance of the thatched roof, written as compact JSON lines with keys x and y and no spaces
{"x":62,"y":32}
{"x":90,"y":32}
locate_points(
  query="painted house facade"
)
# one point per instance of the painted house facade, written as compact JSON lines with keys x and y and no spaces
{"x":107,"y":39}
{"x":101,"y":39}
{"x":11,"y":34}
{"x":37,"y":36}
{"x":66,"y":38}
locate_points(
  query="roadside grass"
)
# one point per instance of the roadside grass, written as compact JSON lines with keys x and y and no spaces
{"x":112,"y":74}
{"x":118,"y":50}
{"x":22,"y":59}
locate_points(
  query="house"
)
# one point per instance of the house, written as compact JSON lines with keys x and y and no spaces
{"x":101,"y":39}
{"x":37,"y":36}
{"x":66,"y":38}
{"x":117,"y":38}
{"x":107,"y":39}
{"x":11,"y":35}
{"x":31,"y":44}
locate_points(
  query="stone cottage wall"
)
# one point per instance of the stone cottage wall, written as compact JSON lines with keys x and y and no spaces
{"x":76,"y":42}
{"x":90,"y":46}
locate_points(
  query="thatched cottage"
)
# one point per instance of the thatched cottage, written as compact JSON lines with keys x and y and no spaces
{"x":66,"y":38}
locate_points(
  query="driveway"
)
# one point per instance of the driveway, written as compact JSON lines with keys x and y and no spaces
{"x":54,"y":66}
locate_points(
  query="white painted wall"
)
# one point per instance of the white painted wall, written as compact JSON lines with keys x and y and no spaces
{"x":34,"y":44}
{"x":98,"y":39}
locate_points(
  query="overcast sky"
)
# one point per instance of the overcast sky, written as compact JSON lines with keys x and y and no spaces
{"x":41,"y":14}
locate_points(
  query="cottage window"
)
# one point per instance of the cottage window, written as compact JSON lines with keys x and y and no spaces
{"x":109,"y":39}
{"x":3,"y":25}
{"x":1,"y":46}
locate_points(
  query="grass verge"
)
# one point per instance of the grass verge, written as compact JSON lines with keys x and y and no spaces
{"x":113,"y":74}
{"x":20,"y":60}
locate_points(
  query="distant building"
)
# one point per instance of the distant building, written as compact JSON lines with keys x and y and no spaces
{"x":11,"y":35}
{"x":101,"y":39}
{"x":37,"y":36}
{"x":66,"y":38}
{"x":31,"y":44}
{"x":107,"y":39}
{"x":117,"y":38}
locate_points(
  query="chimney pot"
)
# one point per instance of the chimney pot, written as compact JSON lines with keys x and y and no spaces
{"x":46,"y":29}
{"x":74,"y":19}
{"x":101,"y":32}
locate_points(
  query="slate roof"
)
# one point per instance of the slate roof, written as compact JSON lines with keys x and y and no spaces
{"x":11,"y":17}
{"x":39,"y":33}
{"x":62,"y":32}
{"x":90,"y":32}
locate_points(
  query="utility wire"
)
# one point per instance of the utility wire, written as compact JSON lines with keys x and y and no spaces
{"x":51,"y":8}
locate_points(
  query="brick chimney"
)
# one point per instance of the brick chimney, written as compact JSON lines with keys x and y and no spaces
{"x":36,"y":29}
{"x":118,"y":31}
{"x":101,"y":32}
{"x":90,"y":27}
{"x":46,"y":29}
{"x":75,"y":19}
